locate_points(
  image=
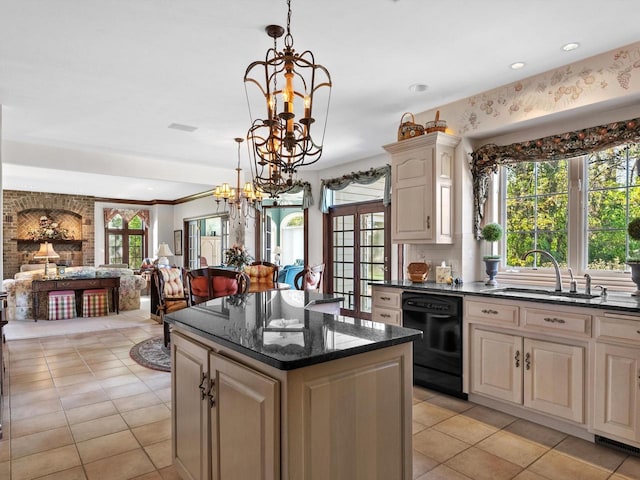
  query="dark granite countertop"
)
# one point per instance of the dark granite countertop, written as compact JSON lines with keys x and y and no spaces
{"x":281,"y":329}
{"x":621,"y":301}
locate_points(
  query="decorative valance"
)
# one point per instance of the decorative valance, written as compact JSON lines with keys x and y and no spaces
{"x":486,"y":159}
{"x":126,"y":214}
{"x":364,"y":178}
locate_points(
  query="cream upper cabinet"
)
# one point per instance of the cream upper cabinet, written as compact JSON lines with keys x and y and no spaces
{"x":422,"y":189}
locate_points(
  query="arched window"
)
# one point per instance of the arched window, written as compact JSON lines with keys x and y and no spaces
{"x":126,"y":240}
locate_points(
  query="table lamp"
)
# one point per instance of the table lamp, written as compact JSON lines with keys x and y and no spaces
{"x":46,"y":251}
{"x":162,"y":254}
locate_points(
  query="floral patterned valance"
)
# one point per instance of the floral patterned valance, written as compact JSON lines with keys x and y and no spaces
{"x":363,"y":177}
{"x":486,"y":159}
{"x":126,"y":214}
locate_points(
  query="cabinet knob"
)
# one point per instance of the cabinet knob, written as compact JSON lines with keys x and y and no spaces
{"x":429,"y":221}
{"x":527,"y":361}
{"x":517,"y":358}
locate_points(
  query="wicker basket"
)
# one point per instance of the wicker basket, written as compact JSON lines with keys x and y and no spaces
{"x":436,"y":125}
{"x":418,"y":272}
{"x":409,"y":129}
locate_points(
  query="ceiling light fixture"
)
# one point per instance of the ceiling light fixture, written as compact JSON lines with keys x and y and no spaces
{"x":418,"y":87}
{"x":241,"y":203}
{"x":570,"y":46}
{"x":291,"y":86}
{"x":517,"y":65}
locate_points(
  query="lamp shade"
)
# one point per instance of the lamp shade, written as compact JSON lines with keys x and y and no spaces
{"x":46,"y":251}
{"x":164,"y":250}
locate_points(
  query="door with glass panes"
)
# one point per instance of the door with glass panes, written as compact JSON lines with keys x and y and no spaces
{"x":359,"y":253}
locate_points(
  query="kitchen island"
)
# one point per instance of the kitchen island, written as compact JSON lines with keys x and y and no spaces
{"x":269,"y":386}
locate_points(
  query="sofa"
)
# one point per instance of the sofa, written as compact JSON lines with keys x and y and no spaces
{"x":20,"y":297}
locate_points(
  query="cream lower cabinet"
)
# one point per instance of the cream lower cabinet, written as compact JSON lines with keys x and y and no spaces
{"x":225,"y":416}
{"x":387,"y":305}
{"x":545,"y":376}
{"x":617,"y":377}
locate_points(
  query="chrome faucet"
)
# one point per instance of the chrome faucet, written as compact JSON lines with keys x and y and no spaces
{"x":555,"y":265}
{"x":587,"y":284}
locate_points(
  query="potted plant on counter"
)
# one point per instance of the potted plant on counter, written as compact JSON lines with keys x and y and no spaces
{"x":633,"y":229}
{"x":492,"y":233}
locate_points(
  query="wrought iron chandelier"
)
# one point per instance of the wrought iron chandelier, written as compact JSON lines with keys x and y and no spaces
{"x":291,"y":85}
{"x":241,"y":203}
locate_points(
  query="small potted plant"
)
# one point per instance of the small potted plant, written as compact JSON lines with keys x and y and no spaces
{"x":237,"y":257}
{"x":633,"y":229}
{"x":492,"y":233}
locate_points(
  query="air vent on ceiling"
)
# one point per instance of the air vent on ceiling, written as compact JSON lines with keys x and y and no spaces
{"x":184,"y":128}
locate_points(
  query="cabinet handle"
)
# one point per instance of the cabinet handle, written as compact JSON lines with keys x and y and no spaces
{"x":517,"y":358}
{"x":428,"y":221}
{"x":389,"y":298}
{"x":212,"y":393}
{"x":527,"y":361}
{"x":553,"y":320}
{"x":203,"y":389}
{"x":638,"y":332}
{"x":385,"y":315}
{"x":489,"y":311}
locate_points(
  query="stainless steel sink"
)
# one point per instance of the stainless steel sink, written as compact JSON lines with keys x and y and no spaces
{"x":539,"y":292}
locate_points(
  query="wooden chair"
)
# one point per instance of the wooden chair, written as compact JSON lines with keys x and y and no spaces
{"x":262,"y":273}
{"x":228,"y":282}
{"x":310,"y":278}
{"x":172,"y":295}
{"x":206,"y":283}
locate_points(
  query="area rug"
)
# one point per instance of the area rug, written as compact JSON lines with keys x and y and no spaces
{"x":152,"y":354}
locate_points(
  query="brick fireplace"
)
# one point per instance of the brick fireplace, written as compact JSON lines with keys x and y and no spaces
{"x":22,"y":213}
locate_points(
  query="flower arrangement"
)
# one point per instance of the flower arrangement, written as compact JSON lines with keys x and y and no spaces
{"x":633,"y":229}
{"x":48,"y":230}
{"x":237,"y":256}
{"x":492,"y":232}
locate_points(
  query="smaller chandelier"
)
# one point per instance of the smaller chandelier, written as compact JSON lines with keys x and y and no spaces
{"x":241,"y":203}
{"x":290,"y":87}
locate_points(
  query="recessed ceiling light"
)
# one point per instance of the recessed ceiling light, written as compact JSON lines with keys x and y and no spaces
{"x":517,"y":65}
{"x":184,"y":128}
{"x":570,"y":46}
{"x":418,"y":87}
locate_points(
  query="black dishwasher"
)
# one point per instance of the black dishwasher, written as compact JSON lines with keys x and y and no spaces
{"x":437,"y":357}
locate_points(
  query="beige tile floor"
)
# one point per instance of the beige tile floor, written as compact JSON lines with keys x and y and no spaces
{"x":78,"y":408}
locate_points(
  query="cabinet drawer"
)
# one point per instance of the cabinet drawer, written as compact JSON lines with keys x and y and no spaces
{"x":556,"y":321}
{"x":500,"y":313}
{"x":385,"y":315}
{"x":623,"y":328}
{"x":387,"y":298}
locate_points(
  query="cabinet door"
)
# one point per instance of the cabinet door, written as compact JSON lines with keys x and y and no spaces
{"x":189,"y":411}
{"x":245,"y":422}
{"x":617,"y":391}
{"x":496,"y":362}
{"x":411,"y":206}
{"x":554,"y":379}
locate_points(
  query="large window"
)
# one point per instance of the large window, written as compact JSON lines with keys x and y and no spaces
{"x":576,"y":209}
{"x":126,"y":241}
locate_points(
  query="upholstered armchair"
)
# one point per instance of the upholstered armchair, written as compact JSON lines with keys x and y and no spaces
{"x":172,"y":295}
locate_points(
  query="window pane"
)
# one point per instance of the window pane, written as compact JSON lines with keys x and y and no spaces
{"x":536,"y":210}
{"x":135,"y":223}
{"x":116,"y":222}
{"x":135,"y":251}
{"x":115,"y":249}
{"x":613,"y":199}
{"x":355,"y":193}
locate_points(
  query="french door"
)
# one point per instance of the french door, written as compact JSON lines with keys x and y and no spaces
{"x":359,"y":252}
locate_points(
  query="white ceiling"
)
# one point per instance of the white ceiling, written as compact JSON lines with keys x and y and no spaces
{"x":109,"y":76}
